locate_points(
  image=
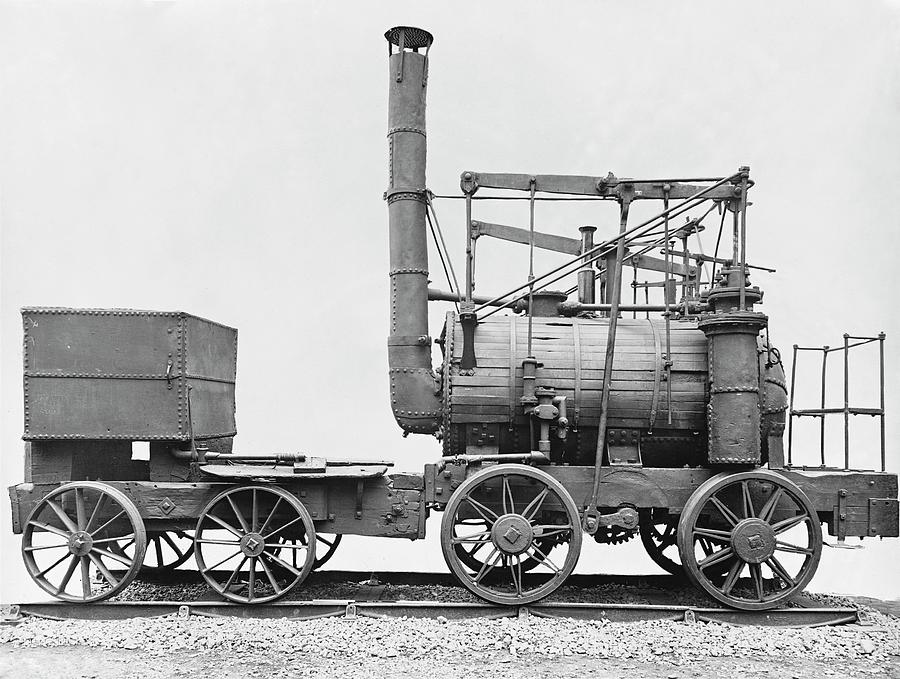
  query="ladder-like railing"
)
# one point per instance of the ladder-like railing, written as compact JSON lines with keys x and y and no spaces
{"x":847,"y":410}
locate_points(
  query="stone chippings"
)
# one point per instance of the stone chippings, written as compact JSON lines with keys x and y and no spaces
{"x":528,"y":637}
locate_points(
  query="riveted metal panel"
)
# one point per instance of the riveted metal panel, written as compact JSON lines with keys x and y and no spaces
{"x":125,"y":374}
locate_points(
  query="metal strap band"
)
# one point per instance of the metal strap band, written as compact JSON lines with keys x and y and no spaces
{"x":417,"y":130}
{"x":657,"y":373}
{"x":576,"y":337}
{"x":512,"y":371}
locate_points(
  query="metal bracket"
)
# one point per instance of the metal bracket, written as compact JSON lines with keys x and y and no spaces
{"x":350,"y":611}
{"x":360,"y":486}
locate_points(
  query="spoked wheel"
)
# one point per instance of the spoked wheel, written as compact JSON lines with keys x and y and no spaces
{"x":242,"y":534}
{"x":658,"y":535}
{"x":472,"y":553}
{"x":512,"y":510}
{"x":81,"y":528}
{"x":166,"y":551}
{"x":328,"y":542}
{"x":763,"y":535}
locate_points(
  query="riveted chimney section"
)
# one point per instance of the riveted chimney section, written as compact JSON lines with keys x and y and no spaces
{"x":415,"y":389}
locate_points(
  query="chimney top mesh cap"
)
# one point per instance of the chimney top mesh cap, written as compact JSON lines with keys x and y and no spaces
{"x":413,"y":38}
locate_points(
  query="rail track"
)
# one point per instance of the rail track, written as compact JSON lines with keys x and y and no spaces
{"x":350,"y":594}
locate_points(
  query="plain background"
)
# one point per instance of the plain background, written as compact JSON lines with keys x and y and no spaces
{"x":228,"y":160}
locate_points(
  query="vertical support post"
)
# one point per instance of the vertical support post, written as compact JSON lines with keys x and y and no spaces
{"x":822,"y":414}
{"x":791,"y":406}
{"x":881,"y":386}
{"x":667,"y":314}
{"x":846,"y":401}
{"x":533,"y":184}
{"x":745,"y":175}
{"x":470,"y":255}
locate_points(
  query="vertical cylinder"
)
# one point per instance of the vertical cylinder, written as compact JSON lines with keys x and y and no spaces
{"x":586,"y":286}
{"x":822,"y":415}
{"x":413,"y":394}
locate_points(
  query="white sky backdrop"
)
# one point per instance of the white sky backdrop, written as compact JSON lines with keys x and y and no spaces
{"x":228,"y":160}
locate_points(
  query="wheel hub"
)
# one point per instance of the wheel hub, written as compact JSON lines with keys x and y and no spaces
{"x":252,"y":544}
{"x":80,"y":543}
{"x":753,"y":540}
{"x":512,"y":534}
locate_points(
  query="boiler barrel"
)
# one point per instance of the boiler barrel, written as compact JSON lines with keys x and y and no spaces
{"x":571,"y":353}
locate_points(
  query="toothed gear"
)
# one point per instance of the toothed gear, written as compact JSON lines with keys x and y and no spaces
{"x":614,"y":535}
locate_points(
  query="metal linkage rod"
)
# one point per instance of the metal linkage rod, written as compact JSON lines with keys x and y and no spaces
{"x":606,"y":247}
{"x":791,"y":405}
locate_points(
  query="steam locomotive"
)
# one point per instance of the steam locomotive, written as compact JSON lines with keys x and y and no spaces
{"x":560,"y":417}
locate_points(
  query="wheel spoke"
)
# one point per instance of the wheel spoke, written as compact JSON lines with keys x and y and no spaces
{"x":129,"y":537}
{"x":237,"y":513}
{"x":85,"y":577}
{"x":121,"y":558}
{"x":101,"y":502}
{"x":756,"y":575}
{"x":271,"y":578}
{"x":70,"y":571}
{"x":507,"y":494}
{"x":66,"y":521}
{"x":726,"y":513}
{"x":488,"y":566}
{"x":545,"y":559}
{"x":31,"y":548}
{"x":749,"y":512}
{"x":104,"y":571}
{"x":115,"y":518}
{"x":251,"y":582}
{"x":287,"y":545}
{"x":780,"y":571}
{"x":550,"y":530}
{"x":271,"y":514}
{"x":175,"y":548}
{"x":53,"y":565}
{"x":769,"y":508}
{"x":715,"y":557}
{"x":253,"y":523}
{"x":516,"y":572}
{"x":48,"y":528}
{"x":489,"y":516}
{"x":211,"y":541}
{"x":712,"y":534}
{"x":80,"y":511}
{"x":230,"y":581}
{"x":157,"y":544}
{"x":793,"y":549}
{"x":731,"y":578}
{"x":224,"y":524}
{"x":287,"y":525}
{"x":787,"y":524}
{"x":319,"y":538}
{"x":476,"y":538}
{"x":227,"y":558}
{"x":283,"y":564}
{"x":535,"y":504}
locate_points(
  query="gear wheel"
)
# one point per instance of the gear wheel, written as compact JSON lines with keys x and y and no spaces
{"x":614,"y":535}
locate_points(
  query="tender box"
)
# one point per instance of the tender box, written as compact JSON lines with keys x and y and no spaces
{"x":127,"y":375}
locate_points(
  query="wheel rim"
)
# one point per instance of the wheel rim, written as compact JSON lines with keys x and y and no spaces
{"x":751,"y":540}
{"x":512,"y":510}
{"x":79,"y":530}
{"x":659,"y":537}
{"x":241,"y":532}
{"x":167,"y":551}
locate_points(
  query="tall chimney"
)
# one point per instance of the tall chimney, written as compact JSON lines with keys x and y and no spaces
{"x":415,"y":389}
